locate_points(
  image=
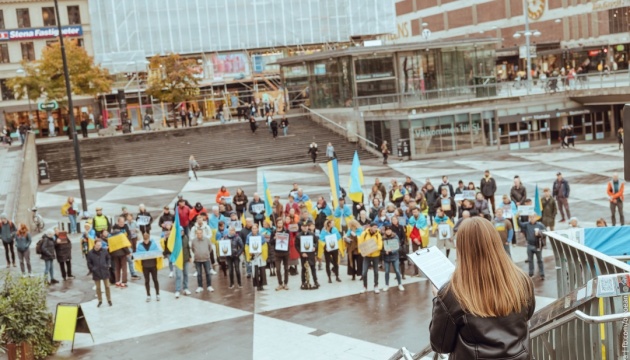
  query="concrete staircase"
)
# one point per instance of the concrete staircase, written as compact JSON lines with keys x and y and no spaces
{"x":215,"y":147}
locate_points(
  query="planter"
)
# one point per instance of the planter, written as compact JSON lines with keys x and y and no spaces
{"x":26,"y":351}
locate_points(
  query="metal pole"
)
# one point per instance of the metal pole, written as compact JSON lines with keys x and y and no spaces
{"x":527,"y":49}
{"x":72,"y":130}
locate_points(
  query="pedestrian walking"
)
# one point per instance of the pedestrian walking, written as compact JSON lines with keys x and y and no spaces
{"x":284,"y":124}
{"x":146,"y":122}
{"x":385,"y":151}
{"x":561,"y":192}
{"x":7,"y":235}
{"x":183,"y":115}
{"x":193,"y":166}
{"x":620,"y":138}
{"x":84,"y":126}
{"x":23,"y":243}
{"x":252,"y":124}
{"x":273,"y":125}
{"x":312,"y":150}
{"x":68,"y":210}
{"x":330,"y":152}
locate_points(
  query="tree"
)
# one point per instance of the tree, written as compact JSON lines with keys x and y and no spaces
{"x":45,"y":77}
{"x":171,"y":79}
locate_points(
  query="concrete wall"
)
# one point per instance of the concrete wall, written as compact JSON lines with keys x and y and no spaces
{"x":27,"y":192}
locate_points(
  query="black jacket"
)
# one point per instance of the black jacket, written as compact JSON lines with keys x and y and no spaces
{"x":468,"y":337}
{"x":63,"y":250}
{"x":488,"y":186}
{"x":166,"y":218}
{"x":99,"y":263}
{"x":556,"y":188}
{"x":48,"y":248}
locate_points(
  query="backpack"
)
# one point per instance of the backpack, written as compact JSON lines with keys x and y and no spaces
{"x":38,"y":247}
{"x":64,"y":209}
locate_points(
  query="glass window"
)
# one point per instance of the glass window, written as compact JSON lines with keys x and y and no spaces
{"x":48,"y":15}
{"x":28,"y":51}
{"x":7,"y":93}
{"x":463,"y":132}
{"x":374,"y":67}
{"x":74,"y":16}
{"x":377,"y":87}
{"x":410,"y":70}
{"x":2,"y":20}
{"x":23,"y":18}
{"x":619,"y":20}
{"x":4,"y":53}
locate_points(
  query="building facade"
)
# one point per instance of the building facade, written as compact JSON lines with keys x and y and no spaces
{"x":26,"y":28}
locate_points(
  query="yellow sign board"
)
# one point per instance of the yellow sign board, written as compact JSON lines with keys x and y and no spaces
{"x":118,"y":242}
{"x":69,"y":320}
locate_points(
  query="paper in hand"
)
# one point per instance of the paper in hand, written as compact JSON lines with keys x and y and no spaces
{"x":432,"y":262}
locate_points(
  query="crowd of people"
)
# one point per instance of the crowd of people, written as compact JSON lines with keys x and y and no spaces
{"x":298,"y":235}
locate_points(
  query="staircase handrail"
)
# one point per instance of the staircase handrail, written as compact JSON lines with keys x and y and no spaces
{"x":370,"y":143}
{"x":579,"y":315}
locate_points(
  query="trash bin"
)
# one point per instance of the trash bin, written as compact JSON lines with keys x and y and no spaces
{"x":44,"y":174}
{"x":403,"y":148}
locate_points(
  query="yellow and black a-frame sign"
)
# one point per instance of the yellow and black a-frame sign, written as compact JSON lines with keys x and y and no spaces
{"x":69,"y":320}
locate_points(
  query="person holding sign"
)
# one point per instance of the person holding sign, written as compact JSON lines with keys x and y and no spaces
{"x":99,"y":263}
{"x":443,"y":226}
{"x":144,"y":219}
{"x":223,"y":192}
{"x":233,"y":260}
{"x":370,"y":245}
{"x":148,"y":260}
{"x":419,"y":233}
{"x":482,"y":312}
{"x":305,"y":244}
{"x":119,"y":253}
{"x":256,"y":252}
{"x":280,"y":243}
{"x":446,"y":203}
{"x":330,"y":245}
{"x":257,"y":209}
{"x":391,"y":246}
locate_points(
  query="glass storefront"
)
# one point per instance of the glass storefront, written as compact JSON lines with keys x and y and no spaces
{"x":331,"y":84}
{"x":39,"y":119}
{"x":375,"y":75}
{"x":446,"y":134}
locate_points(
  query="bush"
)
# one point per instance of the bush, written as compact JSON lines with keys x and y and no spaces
{"x":24,"y":317}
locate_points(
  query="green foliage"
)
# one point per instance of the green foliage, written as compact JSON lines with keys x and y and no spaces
{"x":171,"y":79}
{"x":45,"y":77}
{"x":24,"y":316}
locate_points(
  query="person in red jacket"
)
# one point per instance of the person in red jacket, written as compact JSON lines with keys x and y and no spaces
{"x":184,"y":215}
{"x":196,"y":211}
{"x":291,"y":205}
{"x":615,"y":196}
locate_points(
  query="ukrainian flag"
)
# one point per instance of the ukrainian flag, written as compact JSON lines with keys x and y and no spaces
{"x":356,"y":180}
{"x":175,"y":243}
{"x":267,"y":198}
{"x":333,"y":176}
{"x":243,"y":220}
{"x":537,"y":203}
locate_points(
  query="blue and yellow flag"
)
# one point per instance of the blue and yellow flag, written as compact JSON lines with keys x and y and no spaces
{"x":174,"y":243}
{"x":267,"y":198}
{"x":537,"y":203}
{"x":243,"y":220}
{"x":333,"y":176}
{"x":356,"y":180}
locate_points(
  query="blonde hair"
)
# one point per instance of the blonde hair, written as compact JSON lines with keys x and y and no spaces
{"x":486,"y":283}
{"x":353,"y":224}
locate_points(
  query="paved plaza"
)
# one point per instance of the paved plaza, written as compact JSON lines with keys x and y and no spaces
{"x":334,"y":322}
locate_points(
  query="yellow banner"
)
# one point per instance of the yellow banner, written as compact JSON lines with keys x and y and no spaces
{"x":118,"y":242}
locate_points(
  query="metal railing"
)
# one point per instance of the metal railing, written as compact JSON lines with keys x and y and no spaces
{"x":597,"y":328}
{"x":498,"y":90}
{"x":404,"y":354}
{"x":339,"y":129}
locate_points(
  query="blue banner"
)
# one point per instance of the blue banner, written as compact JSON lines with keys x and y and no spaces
{"x":612,"y":241}
{"x":41,"y":33}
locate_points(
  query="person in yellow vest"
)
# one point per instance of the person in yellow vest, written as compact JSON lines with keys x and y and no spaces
{"x":101,"y":222}
{"x":373,"y":236}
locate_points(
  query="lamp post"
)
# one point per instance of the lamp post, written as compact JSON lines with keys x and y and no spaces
{"x":21,"y":72}
{"x":527,"y":33}
{"x":72,"y":127}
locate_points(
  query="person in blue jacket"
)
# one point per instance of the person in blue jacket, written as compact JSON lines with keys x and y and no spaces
{"x":333,"y":255}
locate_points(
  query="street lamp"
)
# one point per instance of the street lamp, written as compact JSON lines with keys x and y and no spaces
{"x":72,"y":127}
{"x":21,"y":72}
{"x":527,"y":33}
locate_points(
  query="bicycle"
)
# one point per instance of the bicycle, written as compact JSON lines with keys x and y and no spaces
{"x":38,"y":220}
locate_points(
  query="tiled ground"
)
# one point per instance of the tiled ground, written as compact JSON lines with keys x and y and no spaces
{"x":334,"y":322}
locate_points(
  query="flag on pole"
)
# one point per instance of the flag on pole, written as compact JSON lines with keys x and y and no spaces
{"x":267,"y":198}
{"x":356,"y":180}
{"x":333,"y":176}
{"x":175,"y":243}
{"x":537,"y":203}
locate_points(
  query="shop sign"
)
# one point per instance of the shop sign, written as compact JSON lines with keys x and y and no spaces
{"x":41,"y":33}
{"x":48,"y":106}
{"x":427,"y":132}
{"x":599,"y":5}
{"x":593,"y":52}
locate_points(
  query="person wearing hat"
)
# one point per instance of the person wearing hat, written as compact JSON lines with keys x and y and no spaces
{"x":194,"y":213}
{"x":371,"y":235}
{"x":101,"y":222}
{"x":307,"y":258}
{"x":561,"y":192}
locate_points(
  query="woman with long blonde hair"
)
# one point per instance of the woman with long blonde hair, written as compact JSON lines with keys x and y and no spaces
{"x":482,"y":313}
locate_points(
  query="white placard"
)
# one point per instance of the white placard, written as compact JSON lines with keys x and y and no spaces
{"x":258,"y":208}
{"x":255,"y":245}
{"x":282,"y":242}
{"x":143,"y":220}
{"x":432,"y":262}
{"x":458,"y":197}
{"x":525,"y":210}
{"x":469,"y":194}
{"x":444,"y":231}
{"x":306,"y":244}
{"x":225,"y":248}
{"x":238,"y":225}
{"x":331,"y":242}
{"x":228,"y":199}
